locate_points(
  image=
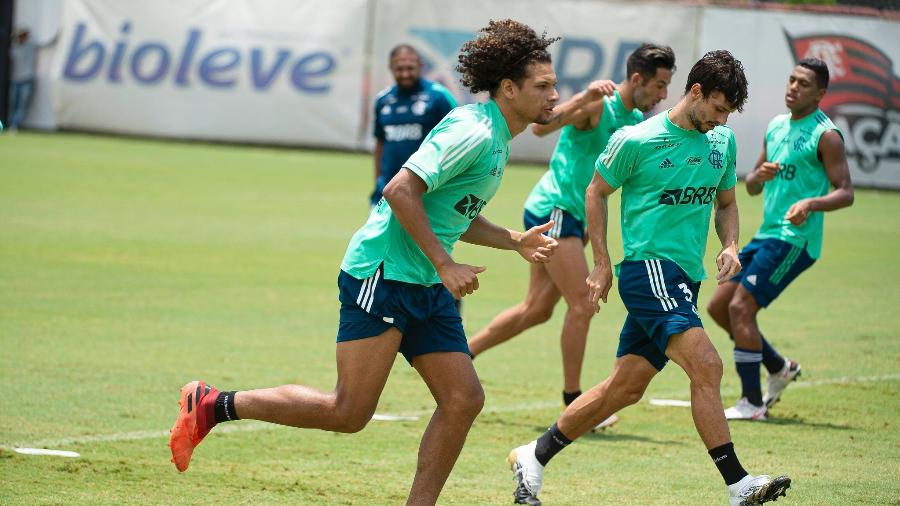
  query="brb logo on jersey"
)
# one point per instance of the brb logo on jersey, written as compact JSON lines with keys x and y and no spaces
{"x":469,"y":206}
{"x":688,"y":195}
{"x":863,"y":96}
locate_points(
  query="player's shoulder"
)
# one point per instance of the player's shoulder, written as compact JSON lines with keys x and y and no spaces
{"x":470,"y":120}
{"x":823,"y":121}
{"x":438,"y":90}
{"x":383,"y":94}
{"x":779,"y":121}
{"x":721,"y":133}
{"x":641,"y":132}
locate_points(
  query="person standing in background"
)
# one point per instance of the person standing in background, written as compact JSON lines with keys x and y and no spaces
{"x":23,"y":56}
{"x":404,"y":114}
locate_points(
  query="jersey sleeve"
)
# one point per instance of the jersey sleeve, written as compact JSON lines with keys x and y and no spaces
{"x":617,"y":161}
{"x":453,"y":146}
{"x":378,"y":127}
{"x":729,"y":178}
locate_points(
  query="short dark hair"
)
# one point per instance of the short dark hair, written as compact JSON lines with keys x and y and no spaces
{"x":819,"y":68}
{"x":503,"y":50}
{"x":720,"y":71}
{"x":649,"y":57}
{"x":400,"y":48}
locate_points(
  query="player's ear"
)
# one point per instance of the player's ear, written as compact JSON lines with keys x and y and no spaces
{"x":635,"y":79}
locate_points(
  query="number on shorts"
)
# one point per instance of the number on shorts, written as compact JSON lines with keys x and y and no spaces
{"x":687,"y":292}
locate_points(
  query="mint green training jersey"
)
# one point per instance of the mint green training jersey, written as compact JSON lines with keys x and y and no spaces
{"x":669,"y":178}
{"x":572,"y":163}
{"x":795,"y":146}
{"x":461,"y":161}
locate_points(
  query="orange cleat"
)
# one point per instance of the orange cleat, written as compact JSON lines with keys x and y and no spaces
{"x":192,"y":424}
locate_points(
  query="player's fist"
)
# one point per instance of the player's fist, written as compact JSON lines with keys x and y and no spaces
{"x":798,"y":212}
{"x":767,"y":171}
{"x":728,"y":263}
{"x":599,"y":89}
{"x":460,"y":279}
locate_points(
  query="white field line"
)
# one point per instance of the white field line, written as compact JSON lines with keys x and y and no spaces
{"x":253,"y":426}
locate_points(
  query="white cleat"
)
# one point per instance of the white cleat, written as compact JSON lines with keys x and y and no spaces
{"x":609,"y":422}
{"x":528,"y":473}
{"x":743,"y":410}
{"x":777,"y":382}
{"x":755,"y":490}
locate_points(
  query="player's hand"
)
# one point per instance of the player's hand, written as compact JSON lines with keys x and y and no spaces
{"x":798,"y":212}
{"x":460,"y":279}
{"x":728,"y":263}
{"x":767,"y":171}
{"x":536,"y":247}
{"x":599,"y":89}
{"x":599,"y":283}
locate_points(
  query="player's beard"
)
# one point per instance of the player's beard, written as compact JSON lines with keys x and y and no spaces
{"x":700,"y":126}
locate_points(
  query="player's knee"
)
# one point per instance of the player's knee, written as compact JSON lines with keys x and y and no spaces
{"x":463,"y":403}
{"x":536,"y":314}
{"x":626,"y":391}
{"x":709,"y":368}
{"x":583,"y":309}
{"x":739,"y":309}
{"x":352,"y":419}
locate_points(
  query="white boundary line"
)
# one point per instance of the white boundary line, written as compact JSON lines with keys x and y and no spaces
{"x":254,"y":426}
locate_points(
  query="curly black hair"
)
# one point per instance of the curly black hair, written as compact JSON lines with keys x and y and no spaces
{"x":720,"y":71}
{"x":504,"y":50}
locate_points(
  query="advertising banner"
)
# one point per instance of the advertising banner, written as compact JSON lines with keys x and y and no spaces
{"x":597,"y":38}
{"x":278,"y":71}
{"x":863,"y":97}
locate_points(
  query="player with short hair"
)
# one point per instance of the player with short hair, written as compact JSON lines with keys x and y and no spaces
{"x":587,"y":120}
{"x":398,"y":280}
{"x":801,"y":160}
{"x":672,"y":169}
{"x":404,"y":114}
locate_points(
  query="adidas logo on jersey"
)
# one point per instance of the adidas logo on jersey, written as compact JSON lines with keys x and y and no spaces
{"x":666,"y":164}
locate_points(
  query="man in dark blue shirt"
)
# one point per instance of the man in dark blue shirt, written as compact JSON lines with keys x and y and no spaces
{"x":404,"y":114}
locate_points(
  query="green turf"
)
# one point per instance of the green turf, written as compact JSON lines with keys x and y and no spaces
{"x":128,"y":267}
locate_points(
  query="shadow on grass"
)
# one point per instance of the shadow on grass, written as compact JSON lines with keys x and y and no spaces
{"x":805,"y":423}
{"x":618,"y":437}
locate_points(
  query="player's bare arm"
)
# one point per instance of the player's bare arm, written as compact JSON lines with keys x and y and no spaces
{"x":763,"y":171}
{"x":831,"y":151}
{"x":600,"y":280}
{"x":583,"y":110}
{"x":404,"y":194}
{"x":532,"y":245}
{"x":727,"y":228}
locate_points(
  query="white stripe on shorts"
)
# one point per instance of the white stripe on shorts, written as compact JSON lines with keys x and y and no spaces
{"x":662,"y":283}
{"x":372,"y":294}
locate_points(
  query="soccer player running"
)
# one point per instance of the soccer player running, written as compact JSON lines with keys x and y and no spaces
{"x":404,"y":114}
{"x":672,"y":168}
{"x":802,"y":158}
{"x":398,"y":279}
{"x":587,"y":120}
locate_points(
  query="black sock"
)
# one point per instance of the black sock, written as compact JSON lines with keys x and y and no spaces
{"x":771,"y":359}
{"x":224,"y":408}
{"x":747,"y":364}
{"x":728,"y":463}
{"x":551,"y":443}
{"x":568,"y":397}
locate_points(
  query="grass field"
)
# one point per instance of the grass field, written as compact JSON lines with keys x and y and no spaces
{"x":128,"y":267}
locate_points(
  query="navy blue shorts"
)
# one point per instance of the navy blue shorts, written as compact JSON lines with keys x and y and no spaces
{"x":565,"y":225}
{"x":769,"y":266}
{"x":661,"y":301}
{"x":426,"y":315}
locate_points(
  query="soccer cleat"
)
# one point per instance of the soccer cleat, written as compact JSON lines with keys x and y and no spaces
{"x":192,"y":425}
{"x":609,"y":422}
{"x":528,"y":473}
{"x":755,"y":490}
{"x":777,"y":382}
{"x":743,"y":410}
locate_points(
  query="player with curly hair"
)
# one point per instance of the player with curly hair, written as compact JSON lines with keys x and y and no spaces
{"x":398,"y":280}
